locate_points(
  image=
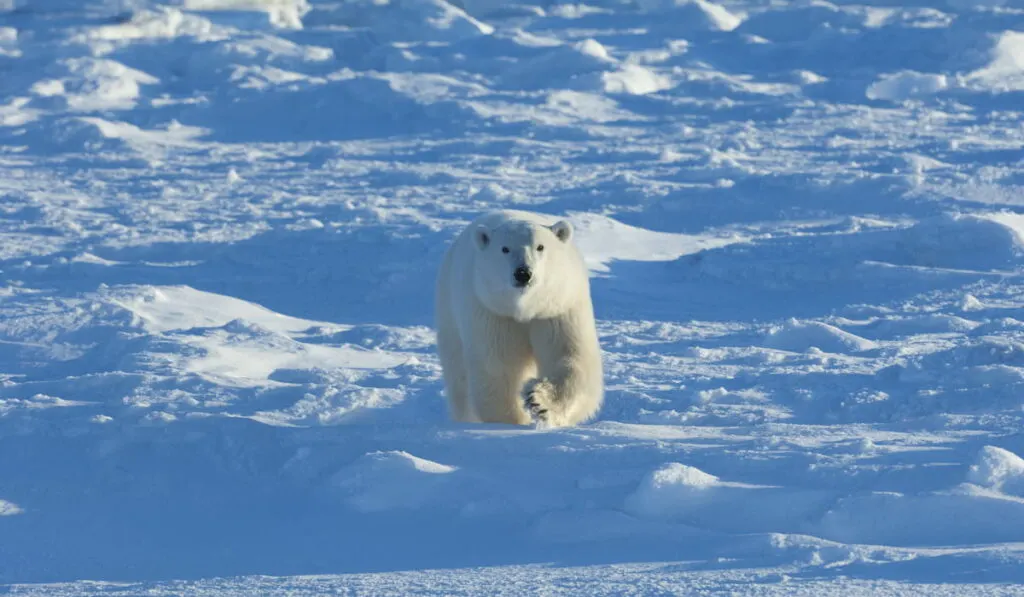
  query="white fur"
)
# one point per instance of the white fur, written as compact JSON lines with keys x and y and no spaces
{"x":510,"y":354}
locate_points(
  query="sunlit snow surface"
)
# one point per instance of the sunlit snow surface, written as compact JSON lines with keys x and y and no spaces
{"x":220,"y":225}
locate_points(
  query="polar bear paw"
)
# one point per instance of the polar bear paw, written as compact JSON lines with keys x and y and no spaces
{"x":538,"y":394}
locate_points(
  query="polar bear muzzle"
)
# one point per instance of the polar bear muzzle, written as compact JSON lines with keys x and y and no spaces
{"x":522,"y":276}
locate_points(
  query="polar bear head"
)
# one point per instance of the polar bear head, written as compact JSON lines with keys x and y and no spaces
{"x":527,"y":270}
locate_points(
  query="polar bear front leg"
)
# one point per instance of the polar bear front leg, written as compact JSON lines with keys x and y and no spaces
{"x":569,"y":386}
{"x":500,"y":360}
{"x":495,"y":395}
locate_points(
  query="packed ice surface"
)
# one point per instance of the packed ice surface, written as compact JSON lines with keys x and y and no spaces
{"x":221,"y":221}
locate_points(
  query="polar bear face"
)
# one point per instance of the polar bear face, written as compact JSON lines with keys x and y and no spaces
{"x":525,"y":270}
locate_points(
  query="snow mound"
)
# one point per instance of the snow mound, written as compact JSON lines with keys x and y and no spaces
{"x":414,"y":20}
{"x":9,"y":508}
{"x":36,"y":403}
{"x":1005,"y":71}
{"x":987,"y":369}
{"x":923,"y":324}
{"x":160,"y":23}
{"x":393,"y":480}
{"x":604,"y":240}
{"x":1012,"y":222}
{"x":999,"y":470}
{"x":210,"y":342}
{"x":695,"y":13}
{"x":801,"y":336}
{"x":586,"y":65}
{"x":167,"y":308}
{"x":9,"y":42}
{"x":906,"y":85}
{"x":286,"y":14}
{"x":634,"y":79}
{"x":17,"y":113}
{"x":235,"y":343}
{"x":962,"y":241}
{"x":966,"y":514}
{"x":670,"y":491}
{"x":145,"y":141}
{"x":261,"y":51}
{"x":96,"y":84}
{"x":678,"y":476}
{"x":243,"y":355}
{"x":681,"y":493}
{"x":579,"y":105}
{"x":91,"y":133}
{"x":563,"y":63}
{"x":72,"y":134}
{"x":970,"y":303}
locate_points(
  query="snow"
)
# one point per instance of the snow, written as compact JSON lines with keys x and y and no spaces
{"x":906,"y":85}
{"x":1005,"y":71}
{"x":389,"y":481}
{"x":220,"y":225}
{"x":280,"y":13}
{"x":999,"y":470}
{"x":707,"y":14}
{"x":604,"y":240}
{"x":798,"y":336}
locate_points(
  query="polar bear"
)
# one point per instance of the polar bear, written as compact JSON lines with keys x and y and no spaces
{"x":515,"y":324}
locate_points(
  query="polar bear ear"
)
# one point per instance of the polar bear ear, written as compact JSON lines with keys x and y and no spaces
{"x":482,"y":236}
{"x":563,"y":230}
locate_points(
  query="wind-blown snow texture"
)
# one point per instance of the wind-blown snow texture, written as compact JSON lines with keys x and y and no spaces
{"x":221,"y":221}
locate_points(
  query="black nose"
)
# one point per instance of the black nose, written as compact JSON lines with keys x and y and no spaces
{"x":522,"y":276}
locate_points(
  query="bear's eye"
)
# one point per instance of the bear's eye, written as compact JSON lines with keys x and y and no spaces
{"x":504,"y":249}
{"x":540,"y":247}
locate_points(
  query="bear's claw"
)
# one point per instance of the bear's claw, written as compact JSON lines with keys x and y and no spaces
{"x":537,"y":396}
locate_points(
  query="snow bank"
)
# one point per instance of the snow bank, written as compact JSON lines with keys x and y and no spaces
{"x":9,"y":509}
{"x":96,"y":85}
{"x":681,"y":493}
{"x":1012,"y":222}
{"x":964,"y":241}
{"x":962,"y":515}
{"x":906,"y":85}
{"x":584,"y":66}
{"x":672,"y":491}
{"x":159,"y":23}
{"x":408,"y":20}
{"x":801,"y":336}
{"x":9,"y":42}
{"x":161,"y":354}
{"x":394,"y":480}
{"x":699,"y":14}
{"x":169,"y":308}
{"x":281,"y":13}
{"x":561,"y":64}
{"x":604,"y":240}
{"x":999,"y":470}
{"x":634,"y":79}
{"x":242,"y":354}
{"x":137,"y":139}
{"x":1005,"y":72}
{"x":231,"y":342}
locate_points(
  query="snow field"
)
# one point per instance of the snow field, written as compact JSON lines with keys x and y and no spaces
{"x":221,"y":221}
